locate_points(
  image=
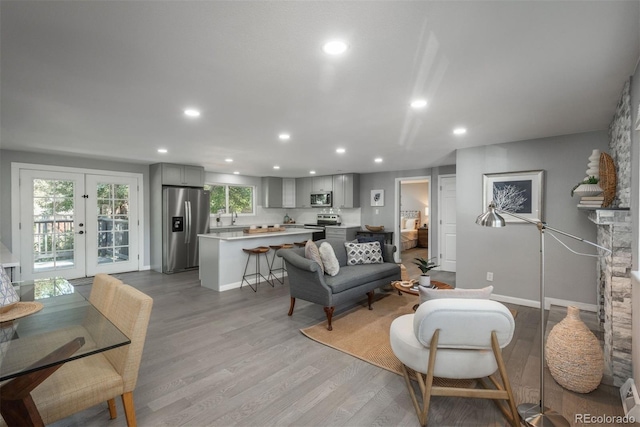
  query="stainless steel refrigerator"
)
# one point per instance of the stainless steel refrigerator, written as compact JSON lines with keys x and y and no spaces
{"x":185,"y":215}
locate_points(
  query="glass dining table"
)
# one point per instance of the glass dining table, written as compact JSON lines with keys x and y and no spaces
{"x":33,"y":347}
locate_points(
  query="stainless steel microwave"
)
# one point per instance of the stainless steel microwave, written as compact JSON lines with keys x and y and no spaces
{"x":321,"y":199}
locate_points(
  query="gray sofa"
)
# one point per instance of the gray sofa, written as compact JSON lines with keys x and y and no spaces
{"x":307,"y":281}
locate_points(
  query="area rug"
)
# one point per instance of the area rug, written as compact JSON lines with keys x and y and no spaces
{"x":364,"y":333}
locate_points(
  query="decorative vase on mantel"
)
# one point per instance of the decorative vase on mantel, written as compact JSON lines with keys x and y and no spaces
{"x":573,"y":354}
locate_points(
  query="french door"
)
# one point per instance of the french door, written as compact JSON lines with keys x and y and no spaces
{"x":112,"y":224}
{"x":76,"y":224}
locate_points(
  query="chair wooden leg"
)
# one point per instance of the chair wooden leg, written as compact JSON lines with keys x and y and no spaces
{"x":514,"y":419}
{"x":291,"y":305}
{"x":329,"y":312}
{"x":129,"y":409}
{"x":370,"y":295}
{"x":113,"y":411}
{"x":425,"y":384}
{"x":426,"y":392}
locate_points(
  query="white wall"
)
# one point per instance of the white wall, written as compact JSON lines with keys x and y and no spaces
{"x":512,"y":253}
{"x":415,"y":197}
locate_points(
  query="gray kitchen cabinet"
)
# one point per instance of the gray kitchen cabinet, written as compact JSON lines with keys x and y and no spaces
{"x":288,"y":192}
{"x":322,"y":183}
{"x":303,"y":192}
{"x":271,"y":192}
{"x":182,"y":175}
{"x":346,"y":190}
{"x":342,"y":233}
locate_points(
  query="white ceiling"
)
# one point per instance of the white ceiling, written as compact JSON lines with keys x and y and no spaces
{"x":110,"y":79}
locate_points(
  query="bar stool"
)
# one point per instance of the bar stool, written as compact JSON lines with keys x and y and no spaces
{"x":300,"y":244}
{"x":257,"y":252}
{"x":282,"y":268}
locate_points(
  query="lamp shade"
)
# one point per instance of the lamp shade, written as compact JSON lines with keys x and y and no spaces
{"x":490,"y":218}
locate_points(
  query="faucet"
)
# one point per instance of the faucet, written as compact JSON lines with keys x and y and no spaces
{"x":234,"y":217}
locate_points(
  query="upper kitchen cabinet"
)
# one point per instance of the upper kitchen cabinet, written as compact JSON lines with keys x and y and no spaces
{"x":322,"y":183}
{"x":288,"y":192}
{"x":183,"y":175}
{"x":303,"y":192}
{"x":271,"y":192}
{"x":346,"y":190}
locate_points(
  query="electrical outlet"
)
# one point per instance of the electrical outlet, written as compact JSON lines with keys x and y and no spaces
{"x":489,"y":276}
{"x":377,"y":211}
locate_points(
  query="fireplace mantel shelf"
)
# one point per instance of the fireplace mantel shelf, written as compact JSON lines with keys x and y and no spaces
{"x":608,"y":216}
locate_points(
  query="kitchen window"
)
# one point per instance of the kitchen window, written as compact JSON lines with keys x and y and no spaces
{"x":226,"y":199}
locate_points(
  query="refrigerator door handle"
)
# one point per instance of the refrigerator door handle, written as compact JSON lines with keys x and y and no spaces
{"x":187,"y":220}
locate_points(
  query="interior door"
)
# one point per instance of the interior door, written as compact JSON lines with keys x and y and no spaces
{"x":112,"y":224}
{"x":447,"y":234}
{"x":52,"y":213}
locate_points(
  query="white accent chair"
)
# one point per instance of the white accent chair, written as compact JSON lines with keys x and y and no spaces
{"x":456,"y":339}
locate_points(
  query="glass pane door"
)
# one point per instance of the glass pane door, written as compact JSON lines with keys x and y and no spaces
{"x":52,"y":209}
{"x":112,"y":224}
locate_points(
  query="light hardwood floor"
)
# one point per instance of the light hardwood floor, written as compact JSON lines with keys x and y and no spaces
{"x":236,"y":358}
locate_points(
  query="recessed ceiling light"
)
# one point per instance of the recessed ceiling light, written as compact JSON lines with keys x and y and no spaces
{"x":284,"y":136}
{"x":335,"y":47}
{"x":236,"y":173}
{"x":228,"y":160}
{"x":340,"y":150}
{"x":459,"y":131}
{"x":162,"y":150}
{"x":418,"y":103}
{"x":192,"y":112}
{"x":276,"y":167}
{"x":378,"y":160}
{"x":312,"y":172}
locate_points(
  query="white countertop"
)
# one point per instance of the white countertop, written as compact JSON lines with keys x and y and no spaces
{"x":8,"y":259}
{"x":240,"y":235}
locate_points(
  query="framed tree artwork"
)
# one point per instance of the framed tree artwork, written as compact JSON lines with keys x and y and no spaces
{"x":516,"y":192}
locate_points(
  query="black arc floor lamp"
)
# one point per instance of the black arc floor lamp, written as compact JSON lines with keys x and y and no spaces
{"x":534,"y":414}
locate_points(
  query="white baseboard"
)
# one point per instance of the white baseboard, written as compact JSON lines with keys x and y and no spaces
{"x":548,"y":302}
{"x":145,"y":268}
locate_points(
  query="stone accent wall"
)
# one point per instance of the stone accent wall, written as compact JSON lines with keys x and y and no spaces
{"x":620,"y":147}
{"x":614,"y":291}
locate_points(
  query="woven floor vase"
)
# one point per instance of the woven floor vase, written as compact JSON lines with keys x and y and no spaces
{"x":573,"y":354}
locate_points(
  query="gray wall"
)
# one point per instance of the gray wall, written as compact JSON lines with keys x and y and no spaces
{"x":386,"y":181}
{"x":512,"y":253}
{"x":9,"y":156}
{"x":415,"y":197}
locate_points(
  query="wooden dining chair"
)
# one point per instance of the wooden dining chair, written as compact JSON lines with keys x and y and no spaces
{"x":102,"y":377}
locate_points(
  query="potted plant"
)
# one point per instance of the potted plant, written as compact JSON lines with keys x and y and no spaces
{"x":425,"y":265}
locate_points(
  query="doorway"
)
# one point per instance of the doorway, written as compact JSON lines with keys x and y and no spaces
{"x":412,"y":217}
{"x":72,"y":223}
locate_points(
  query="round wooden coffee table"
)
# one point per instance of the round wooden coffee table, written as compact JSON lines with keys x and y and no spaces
{"x":434,"y":283}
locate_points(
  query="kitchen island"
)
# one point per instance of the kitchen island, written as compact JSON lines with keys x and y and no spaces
{"x":222,"y":260}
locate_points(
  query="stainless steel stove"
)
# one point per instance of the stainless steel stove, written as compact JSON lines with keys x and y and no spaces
{"x":322,"y":220}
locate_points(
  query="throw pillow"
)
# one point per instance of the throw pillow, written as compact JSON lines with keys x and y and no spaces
{"x":329,"y":260}
{"x":427,"y":294}
{"x":363,"y":253}
{"x":410,"y":224}
{"x":376,"y":238}
{"x":311,"y":252}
